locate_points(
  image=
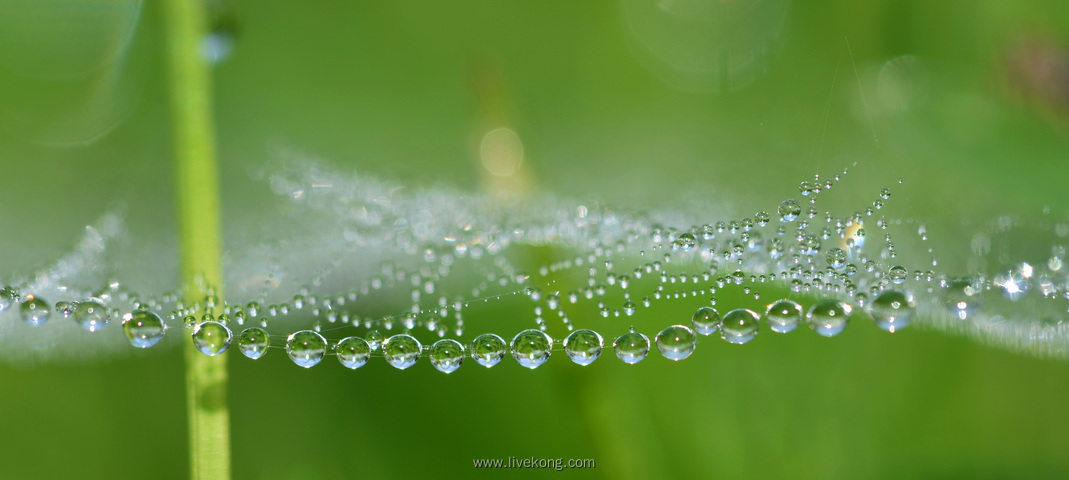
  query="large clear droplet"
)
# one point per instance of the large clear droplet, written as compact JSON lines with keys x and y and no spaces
{"x":402,"y":350}
{"x":35,"y":311}
{"x":143,"y":328}
{"x":353,"y":352}
{"x":91,"y":314}
{"x":306,"y":348}
{"x":583,"y":346}
{"x":829,"y":318}
{"x":254,"y":342}
{"x":632,"y":347}
{"x":783,"y":316}
{"x":531,"y":348}
{"x":488,"y":349}
{"x":739,"y":326}
{"x":447,"y":355}
{"x":706,"y":320}
{"x":676,"y":342}
{"x":892,"y":310}
{"x":211,"y":338}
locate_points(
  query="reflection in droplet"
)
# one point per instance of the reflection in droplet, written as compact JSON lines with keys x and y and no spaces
{"x":783,"y":316}
{"x":676,"y":342}
{"x":488,"y":349}
{"x":531,"y":348}
{"x":892,"y":310}
{"x":306,"y":348}
{"x":353,"y":352}
{"x":583,"y":346}
{"x":402,"y":351}
{"x":632,"y":347}
{"x":739,"y":326}
{"x":253,"y":342}
{"x":211,"y":338}
{"x":829,"y":317}
{"x":143,"y":328}
{"x":447,"y":355}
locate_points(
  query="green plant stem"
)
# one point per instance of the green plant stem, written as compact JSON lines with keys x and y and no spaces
{"x":197,"y":190}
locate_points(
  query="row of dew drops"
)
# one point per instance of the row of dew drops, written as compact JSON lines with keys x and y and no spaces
{"x":890,"y":308}
{"x":531,"y":348}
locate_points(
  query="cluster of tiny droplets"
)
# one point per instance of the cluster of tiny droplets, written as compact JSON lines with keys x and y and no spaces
{"x":814,"y":254}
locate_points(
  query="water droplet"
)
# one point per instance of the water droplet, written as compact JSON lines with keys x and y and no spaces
{"x":402,"y":350}
{"x":706,"y":320}
{"x":676,"y":342}
{"x":66,"y":309}
{"x":632,"y":347}
{"x":789,"y":210}
{"x":211,"y":338}
{"x":962,"y":298}
{"x":253,"y":342}
{"x":91,"y":314}
{"x":143,"y":328}
{"x":306,"y":348}
{"x":836,"y":258}
{"x":353,"y":352}
{"x":488,"y":349}
{"x":828,"y":318}
{"x":739,"y":326}
{"x":583,"y":346}
{"x":375,"y":339}
{"x":898,"y":274}
{"x":35,"y":311}
{"x":447,"y":355}
{"x":892,"y":310}
{"x":783,"y":316}
{"x":531,"y":348}
{"x":8,"y":297}
{"x":685,"y":242}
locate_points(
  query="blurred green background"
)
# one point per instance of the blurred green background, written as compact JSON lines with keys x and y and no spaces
{"x":637,"y":104}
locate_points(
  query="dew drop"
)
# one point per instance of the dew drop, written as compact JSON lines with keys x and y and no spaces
{"x":8,"y":297}
{"x":375,"y":339}
{"x":828,"y":318}
{"x":739,"y":326}
{"x":91,"y":314}
{"x":836,"y":258}
{"x":685,"y":242}
{"x":143,"y":328}
{"x":962,"y":298}
{"x":892,"y":310}
{"x":583,"y":346}
{"x":211,"y":338}
{"x":706,"y":320}
{"x":353,"y":352}
{"x":531,"y":348}
{"x":898,"y":274}
{"x":632,"y":347}
{"x":402,"y":350}
{"x":676,"y":342}
{"x":783,"y":316}
{"x":447,"y":355}
{"x":789,"y":210}
{"x":253,"y":342}
{"x":35,"y":311}
{"x":306,"y":348}
{"x":488,"y":349}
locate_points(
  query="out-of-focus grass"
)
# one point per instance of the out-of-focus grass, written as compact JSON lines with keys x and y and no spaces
{"x":386,"y":89}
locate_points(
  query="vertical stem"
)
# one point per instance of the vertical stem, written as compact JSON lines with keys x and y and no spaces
{"x":197,"y":189}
